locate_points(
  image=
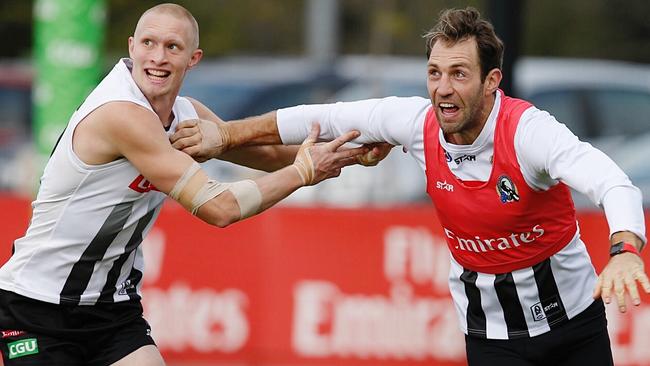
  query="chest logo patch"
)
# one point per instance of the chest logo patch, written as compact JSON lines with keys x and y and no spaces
{"x":141,"y":185}
{"x":507,"y":189}
{"x":546,"y":308}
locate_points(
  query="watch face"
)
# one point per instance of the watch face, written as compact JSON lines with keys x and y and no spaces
{"x":616,"y":248}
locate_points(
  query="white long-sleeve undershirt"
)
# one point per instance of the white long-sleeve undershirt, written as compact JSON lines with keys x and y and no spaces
{"x":547,"y":151}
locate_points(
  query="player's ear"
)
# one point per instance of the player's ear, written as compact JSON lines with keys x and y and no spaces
{"x":131,"y":45}
{"x":196,"y":57}
{"x":492,"y":81}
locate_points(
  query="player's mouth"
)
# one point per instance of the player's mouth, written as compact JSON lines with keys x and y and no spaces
{"x":157,"y":76}
{"x":448,"y":109}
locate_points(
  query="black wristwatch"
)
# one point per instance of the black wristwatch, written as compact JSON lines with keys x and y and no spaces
{"x":622,"y":247}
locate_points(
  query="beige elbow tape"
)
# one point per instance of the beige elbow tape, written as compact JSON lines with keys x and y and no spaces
{"x":248,"y":196}
{"x":246,"y":192}
{"x":193,"y":193}
{"x":210,"y":190}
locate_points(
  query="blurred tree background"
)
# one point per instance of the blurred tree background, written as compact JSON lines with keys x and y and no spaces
{"x":610,"y":29}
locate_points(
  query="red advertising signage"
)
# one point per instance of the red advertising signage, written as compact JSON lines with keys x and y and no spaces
{"x":317,"y":286}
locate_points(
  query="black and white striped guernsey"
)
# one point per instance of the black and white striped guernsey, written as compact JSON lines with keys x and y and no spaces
{"x":525,"y":302}
{"x":83,"y":243}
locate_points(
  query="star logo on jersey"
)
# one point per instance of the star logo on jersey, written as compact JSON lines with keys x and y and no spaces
{"x":507,"y":189}
{"x":445,"y":186}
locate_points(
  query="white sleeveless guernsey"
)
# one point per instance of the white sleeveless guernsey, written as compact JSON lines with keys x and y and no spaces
{"x":83,"y":243}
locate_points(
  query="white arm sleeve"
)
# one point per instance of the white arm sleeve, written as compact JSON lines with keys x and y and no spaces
{"x":393,"y":120}
{"x":549,"y":152}
{"x":624,"y":210}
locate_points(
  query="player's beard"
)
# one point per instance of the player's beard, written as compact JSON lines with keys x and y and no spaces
{"x":470,"y":118}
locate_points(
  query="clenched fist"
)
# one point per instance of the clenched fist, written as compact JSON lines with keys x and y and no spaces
{"x":201,"y":139}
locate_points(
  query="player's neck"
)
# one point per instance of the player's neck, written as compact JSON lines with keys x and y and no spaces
{"x":163,"y":109}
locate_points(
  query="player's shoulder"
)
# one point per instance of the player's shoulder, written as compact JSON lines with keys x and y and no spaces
{"x":201,"y":109}
{"x":198,"y":105}
{"x":119,"y":116}
{"x":119,"y":110}
{"x":537,"y":126}
{"x":537,"y":118}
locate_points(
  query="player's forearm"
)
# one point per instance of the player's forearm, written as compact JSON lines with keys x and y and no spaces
{"x":624,"y":212}
{"x":214,"y":202}
{"x":267,"y":158}
{"x":389,"y":120}
{"x":254,"y":131}
{"x":226,"y":209}
{"x":278,"y":185}
{"x":628,"y":237}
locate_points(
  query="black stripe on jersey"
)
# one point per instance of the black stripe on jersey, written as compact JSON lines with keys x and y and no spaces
{"x":79,"y":277}
{"x":114,"y":273}
{"x":549,"y":295}
{"x":504,"y":285}
{"x":476,"y":325}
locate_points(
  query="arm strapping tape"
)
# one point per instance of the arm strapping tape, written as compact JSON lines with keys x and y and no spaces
{"x":203,"y":191}
{"x":184,"y":179}
{"x":210,"y":190}
{"x":248,"y":196}
{"x":246,"y":192}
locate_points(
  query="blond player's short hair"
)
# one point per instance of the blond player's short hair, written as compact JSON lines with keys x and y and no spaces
{"x":179,"y":11}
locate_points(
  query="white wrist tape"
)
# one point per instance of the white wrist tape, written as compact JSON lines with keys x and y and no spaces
{"x":248,"y":196}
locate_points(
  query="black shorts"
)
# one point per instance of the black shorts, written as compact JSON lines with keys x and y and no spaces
{"x":583,"y":340}
{"x":39,"y":333}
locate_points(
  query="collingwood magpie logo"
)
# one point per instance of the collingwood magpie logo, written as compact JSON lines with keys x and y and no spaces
{"x":507,"y":190}
{"x":124,"y":286}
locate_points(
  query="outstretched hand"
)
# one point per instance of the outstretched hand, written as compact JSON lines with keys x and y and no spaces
{"x":317,"y":162}
{"x":201,"y":139}
{"x":619,"y":276}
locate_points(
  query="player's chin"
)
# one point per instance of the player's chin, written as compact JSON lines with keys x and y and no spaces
{"x":449,"y":127}
{"x":154,"y":91}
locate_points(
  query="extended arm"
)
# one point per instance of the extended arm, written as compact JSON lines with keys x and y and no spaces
{"x":549,"y":152}
{"x":198,"y":136}
{"x":392,"y":120}
{"x":125,"y":129}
